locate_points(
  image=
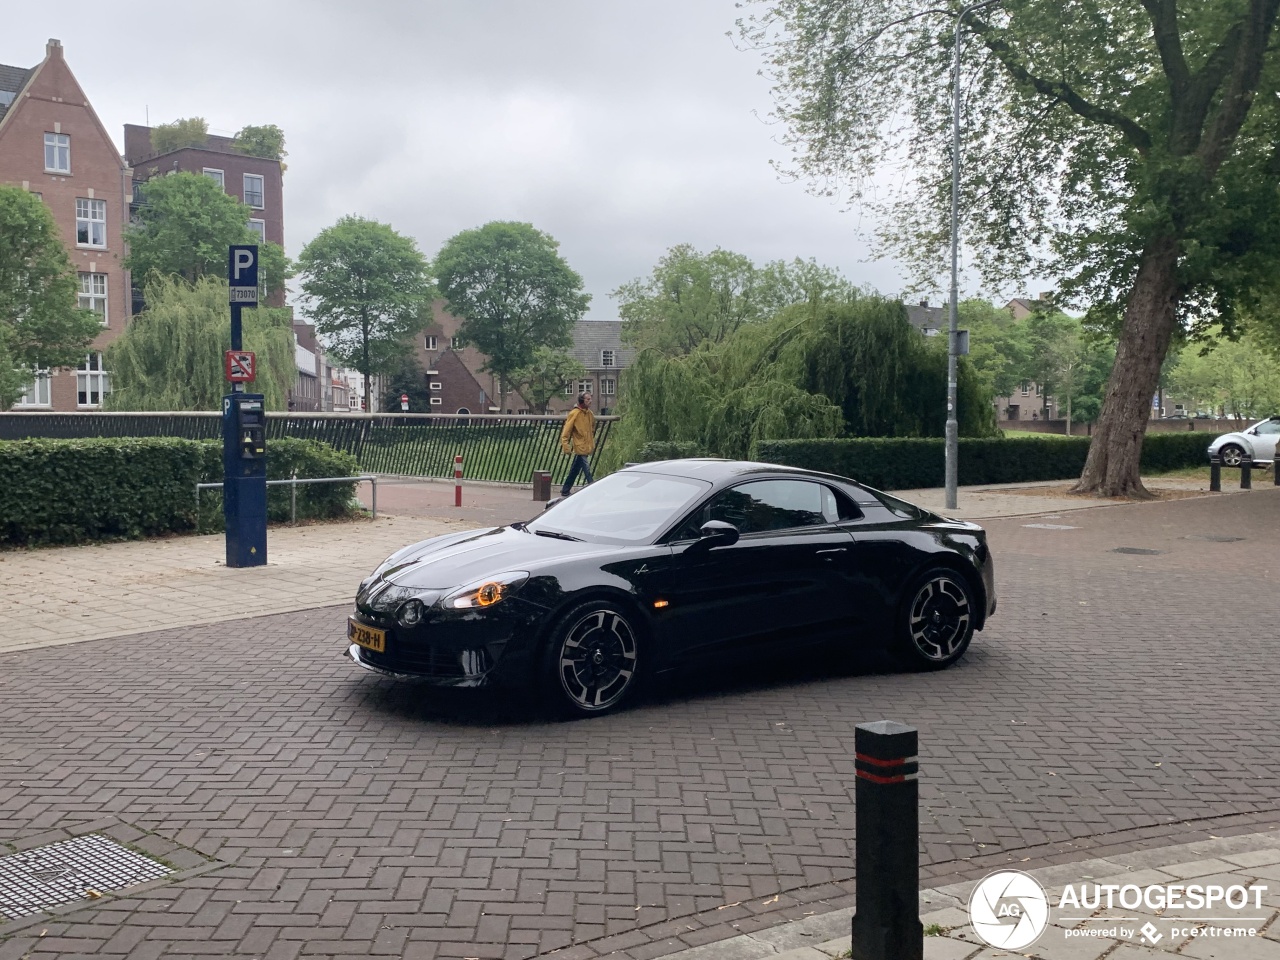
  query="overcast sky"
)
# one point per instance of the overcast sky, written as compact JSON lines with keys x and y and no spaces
{"x":620,"y":127}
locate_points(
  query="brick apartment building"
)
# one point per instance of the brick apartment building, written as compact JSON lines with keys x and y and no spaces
{"x":598,"y":346}
{"x":53,"y":144}
{"x":257,"y":182}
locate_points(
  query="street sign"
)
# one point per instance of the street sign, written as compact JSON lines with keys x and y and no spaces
{"x":242,"y":273}
{"x":404,"y":402}
{"x":240,"y":366}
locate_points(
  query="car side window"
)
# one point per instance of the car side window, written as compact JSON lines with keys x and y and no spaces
{"x":762,"y":505}
{"x":1269,"y":428}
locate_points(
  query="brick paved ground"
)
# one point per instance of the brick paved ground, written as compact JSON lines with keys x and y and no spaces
{"x":359,"y":818}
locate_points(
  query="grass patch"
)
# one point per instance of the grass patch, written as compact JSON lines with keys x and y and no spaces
{"x":1024,"y":434}
{"x":936,"y":930}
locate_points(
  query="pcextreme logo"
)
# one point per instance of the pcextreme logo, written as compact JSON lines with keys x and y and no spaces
{"x":1009,"y":910}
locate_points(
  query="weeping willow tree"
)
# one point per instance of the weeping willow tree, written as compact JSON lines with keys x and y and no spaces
{"x":815,"y":370}
{"x":170,"y":357}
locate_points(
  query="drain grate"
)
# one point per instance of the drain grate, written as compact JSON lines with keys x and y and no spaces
{"x":1139,"y":551}
{"x":66,"y":871}
{"x":1213,"y":539}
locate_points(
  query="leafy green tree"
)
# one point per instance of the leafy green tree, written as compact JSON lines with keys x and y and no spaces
{"x":404,"y":375}
{"x":184,"y":227}
{"x":997,"y":350}
{"x":265,"y":141}
{"x":514,"y":293}
{"x":190,"y":132}
{"x":1128,"y":148}
{"x":814,"y":370}
{"x":41,"y":325}
{"x":170,"y":356}
{"x":545,"y":376}
{"x":692,"y":298}
{"x":367,"y":289}
{"x":1237,"y":377}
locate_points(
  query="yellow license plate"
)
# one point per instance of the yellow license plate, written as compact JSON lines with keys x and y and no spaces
{"x":371,"y":638}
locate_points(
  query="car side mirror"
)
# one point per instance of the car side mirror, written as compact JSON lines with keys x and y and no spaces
{"x":713,"y":533}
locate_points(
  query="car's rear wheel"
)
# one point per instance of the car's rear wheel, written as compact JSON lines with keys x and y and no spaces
{"x":1231,"y":455}
{"x":935,"y":623}
{"x":592,"y":659}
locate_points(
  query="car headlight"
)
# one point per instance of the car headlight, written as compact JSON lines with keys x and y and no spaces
{"x":410,"y":613}
{"x":484,"y":593}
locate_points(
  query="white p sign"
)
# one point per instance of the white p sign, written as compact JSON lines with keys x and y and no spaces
{"x":242,"y":273}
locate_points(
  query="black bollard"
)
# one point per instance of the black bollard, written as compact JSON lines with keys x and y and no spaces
{"x":1215,"y":475}
{"x":1246,"y":475}
{"x":886,"y":920}
{"x":1275,"y":474}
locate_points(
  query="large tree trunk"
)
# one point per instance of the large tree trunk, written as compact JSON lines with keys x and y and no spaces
{"x":1113,"y":466}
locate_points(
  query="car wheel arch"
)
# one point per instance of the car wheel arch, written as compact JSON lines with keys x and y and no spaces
{"x":624,"y":600}
{"x":950,"y":561}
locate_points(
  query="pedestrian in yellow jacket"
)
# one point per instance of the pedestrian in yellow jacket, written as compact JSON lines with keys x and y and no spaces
{"x":578,"y":439}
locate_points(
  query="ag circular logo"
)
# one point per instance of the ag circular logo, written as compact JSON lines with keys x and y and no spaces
{"x":1009,"y":910}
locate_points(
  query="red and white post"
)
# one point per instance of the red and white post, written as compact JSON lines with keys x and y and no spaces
{"x":457,"y":480}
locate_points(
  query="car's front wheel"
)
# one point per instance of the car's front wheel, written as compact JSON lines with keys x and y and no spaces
{"x":592,"y":659}
{"x":1231,"y":455}
{"x":936,"y":620}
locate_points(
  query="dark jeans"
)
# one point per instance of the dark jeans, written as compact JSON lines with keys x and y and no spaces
{"x":579,"y":465}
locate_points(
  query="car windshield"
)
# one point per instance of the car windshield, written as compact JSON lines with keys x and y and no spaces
{"x":625,"y":507}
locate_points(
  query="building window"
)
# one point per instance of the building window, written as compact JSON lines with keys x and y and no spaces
{"x":37,"y":393}
{"x":606,"y":358}
{"x":93,"y":294}
{"x":608,"y":386}
{"x":92,"y":382}
{"x":57,"y":153}
{"x":91,"y":223}
{"x":259,"y":229}
{"x":568,"y":389}
{"x":1026,"y":388}
{"x":437,"y":401}
{"x":455,"y":343}
{"x":217,"y":177}
{"x":436,"y":385}
{"x":584,"y":386}
{"x":429,"y":342}
{"x":253,"y":191}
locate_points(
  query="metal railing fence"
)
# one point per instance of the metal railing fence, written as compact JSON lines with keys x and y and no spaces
{"x":494,"y":447}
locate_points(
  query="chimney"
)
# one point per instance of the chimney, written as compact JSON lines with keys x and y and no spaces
{"x":53,"y":49}
{"x":924,"y":303}
{"x":1046,"y":295}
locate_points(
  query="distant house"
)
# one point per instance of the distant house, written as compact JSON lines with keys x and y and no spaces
{"x":1027,"y":402}
{"x":53,"y":145}
{"x":598,"y":346}
{"x":930,"y":321}
{"x":257,"y":182}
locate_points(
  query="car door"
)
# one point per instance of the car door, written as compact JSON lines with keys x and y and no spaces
{"x":782,"y":579}
{"x":1264,"y":439}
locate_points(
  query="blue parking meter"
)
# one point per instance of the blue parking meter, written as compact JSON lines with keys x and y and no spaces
{"x":244,"y":478}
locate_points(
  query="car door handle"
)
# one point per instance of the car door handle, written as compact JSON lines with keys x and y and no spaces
{"x":832,"y":550}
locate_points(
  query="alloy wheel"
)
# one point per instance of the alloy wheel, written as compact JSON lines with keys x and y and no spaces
{"x":1231,"y":455}
{"x":939,"y":619}
{"x":597,"y":660}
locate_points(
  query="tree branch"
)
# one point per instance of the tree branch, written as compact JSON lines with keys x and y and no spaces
{"x":1242,"y":83}
{"x":1164,"y":24}
{"x":1133,"y":132}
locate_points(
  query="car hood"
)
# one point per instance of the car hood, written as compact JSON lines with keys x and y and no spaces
{"x":458,"y":559}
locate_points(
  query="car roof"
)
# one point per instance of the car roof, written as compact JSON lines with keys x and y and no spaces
{"x":718,"y":471}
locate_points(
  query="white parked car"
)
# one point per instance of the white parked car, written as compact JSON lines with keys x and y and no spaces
{"x":1257,"y":443}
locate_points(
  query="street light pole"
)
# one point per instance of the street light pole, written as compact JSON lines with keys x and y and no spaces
{"x":953,"y":426}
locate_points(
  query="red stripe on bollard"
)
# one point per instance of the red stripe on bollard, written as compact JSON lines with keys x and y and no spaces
{"x":457,"y":480}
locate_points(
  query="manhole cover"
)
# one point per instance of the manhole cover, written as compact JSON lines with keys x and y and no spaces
{"x":64,"y":872}
{"x":1213,"y":539}
{"x":1140,"y":551}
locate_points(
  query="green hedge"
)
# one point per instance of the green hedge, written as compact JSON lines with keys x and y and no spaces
{"x":104,"y":488}
{"x":912,"y":463}
{"x":668,"y":450}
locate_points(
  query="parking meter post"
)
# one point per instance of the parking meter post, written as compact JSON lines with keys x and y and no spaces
{"x":1246,"y":474}
{"x":886,"y":919}
{"x":1215,"y":475}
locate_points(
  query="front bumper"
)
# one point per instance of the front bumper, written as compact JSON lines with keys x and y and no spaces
{"x":496,"y":647}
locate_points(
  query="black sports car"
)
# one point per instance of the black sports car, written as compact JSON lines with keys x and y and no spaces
{"x":663,"y":562}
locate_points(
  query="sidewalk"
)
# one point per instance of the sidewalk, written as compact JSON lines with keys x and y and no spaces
{"x":1116,"y":934}
{"x":53,"y":596}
